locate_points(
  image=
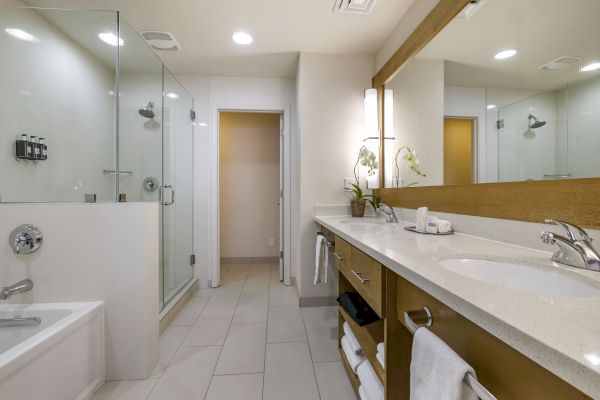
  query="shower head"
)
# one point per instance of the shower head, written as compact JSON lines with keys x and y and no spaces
{"x":147,"y":112}
{"x":536,"y":124}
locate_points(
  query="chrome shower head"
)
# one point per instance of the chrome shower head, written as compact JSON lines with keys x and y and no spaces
{"x":147,"y":112}
{"x":536,"y":124}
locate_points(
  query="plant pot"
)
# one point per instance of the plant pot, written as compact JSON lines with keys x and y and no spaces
{"x":358,"y":207}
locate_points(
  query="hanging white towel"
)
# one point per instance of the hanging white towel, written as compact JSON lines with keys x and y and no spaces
{"x":362,"y":394}
{"x":436,"y":371}
{"x":321,"y":260}
{"x":354,"y":345}
{"x":370,"y":382}
{"x":381,"y":353}
{"x":381,"y":360}
{"x":353,"y":359}
{"x":381,"y":348}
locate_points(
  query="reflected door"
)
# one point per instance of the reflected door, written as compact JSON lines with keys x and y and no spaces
{"x":458,"y":151}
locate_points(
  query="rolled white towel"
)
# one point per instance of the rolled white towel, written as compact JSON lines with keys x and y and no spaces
{"x":380,"y":359}
{"x":362,"y":394}
{"x":444,"y":226}
{"x":353,"y":359}
{"x":369,"y":381}
{"x":431,"y":226}
{"x":381,"y":348}
{"x":352,"y":341}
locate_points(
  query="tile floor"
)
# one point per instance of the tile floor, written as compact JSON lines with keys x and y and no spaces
{"x":247,"y":340}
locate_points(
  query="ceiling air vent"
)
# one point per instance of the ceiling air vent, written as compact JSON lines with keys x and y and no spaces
{"x":160,"y":40}
{"x":353,"y":6}
{"x":560,"y":63}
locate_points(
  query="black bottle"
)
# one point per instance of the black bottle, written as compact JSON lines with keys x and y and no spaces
{"x":22,"y":144}
{"x":43,"y":148}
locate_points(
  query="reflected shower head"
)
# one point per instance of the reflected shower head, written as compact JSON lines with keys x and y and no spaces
{"x":147,"y":112}
{"x":536,"y":124}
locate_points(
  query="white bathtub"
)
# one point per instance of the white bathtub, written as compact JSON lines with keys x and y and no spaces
{"x":61,"y":359}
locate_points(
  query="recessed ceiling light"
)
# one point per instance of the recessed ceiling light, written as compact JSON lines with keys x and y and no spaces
{"x":242,"y":38}
{"x":491,"y":106}
{"x":21,"y":34}
{"x":172,"y":95}
{"x":110,"y":38}
{"x":504,"y":54}
{"x":590,"y":67}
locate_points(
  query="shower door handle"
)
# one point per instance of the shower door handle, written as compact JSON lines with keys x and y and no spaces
{"x":172,"y":195}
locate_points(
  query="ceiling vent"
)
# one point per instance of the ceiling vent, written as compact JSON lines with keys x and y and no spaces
{"x":561,"y":63}
{"x":160,"y":40}
{"x":470,"y":9}
{"x":353,"y":6}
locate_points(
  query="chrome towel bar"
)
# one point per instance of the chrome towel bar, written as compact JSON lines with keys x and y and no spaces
{"x":423,"y":317}
{"x":113,"y":172}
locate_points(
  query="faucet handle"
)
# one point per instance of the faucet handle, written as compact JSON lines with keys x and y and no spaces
{"x":570,"y":230}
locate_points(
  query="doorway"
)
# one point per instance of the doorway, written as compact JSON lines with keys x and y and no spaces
{"x":460,"y":161}
{"x":250,"y":188}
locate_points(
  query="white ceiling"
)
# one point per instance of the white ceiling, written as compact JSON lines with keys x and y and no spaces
{"x":281,"y":29}
{"x":541,"y":30}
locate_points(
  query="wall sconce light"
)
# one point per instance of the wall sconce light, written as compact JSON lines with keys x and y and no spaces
{"x":371,"y":140}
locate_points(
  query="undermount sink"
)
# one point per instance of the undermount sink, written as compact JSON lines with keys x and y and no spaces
{"x":362,"y":221}
{"x":528,"y":278}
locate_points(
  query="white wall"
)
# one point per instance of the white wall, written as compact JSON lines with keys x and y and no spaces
{"x":249,"y":185}
{"x":330,"y":90}
{"x":419,"y":119}
{"x":94,"y":252}
{"x":55,"y":89}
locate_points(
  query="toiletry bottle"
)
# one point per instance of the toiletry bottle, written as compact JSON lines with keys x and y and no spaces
{"x":29,"y":154}
{"x":35,"y":145}
{"x":43,"y":148}
{"x":21,"y":146}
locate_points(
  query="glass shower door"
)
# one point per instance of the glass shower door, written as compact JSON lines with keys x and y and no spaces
{"x":177,"y":189}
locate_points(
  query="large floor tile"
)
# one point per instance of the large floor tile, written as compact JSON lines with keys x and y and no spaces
{"x":320,"y":313}
{"x":234,"y":387}
{"x":323,"y":340}
{"x":236,"y":276}
{"x":210,"y":328}
{"x":125,"y":390}
{"x":244,"y":350}
{"x":285,"y":325}
{"x":204,"y":292}
{"x":189,"y":312}
{"x":333,"y":381}
{"x":251,"y":309}
{"x":225,"y":298}
{"x":281,"y":295}
{"x":189,"y":374}
{"x":256,"y":285}
{"x":169,"y":343}
{"x":289,"y":373}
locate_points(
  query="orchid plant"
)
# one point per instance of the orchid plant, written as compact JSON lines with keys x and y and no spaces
{"x":368,"y":159}
{"x":412,"y":163}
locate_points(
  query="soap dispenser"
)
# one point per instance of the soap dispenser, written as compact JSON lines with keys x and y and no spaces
{"x":23,"y":150}
{"x":43,"y":149}
{"x":35,"y":145}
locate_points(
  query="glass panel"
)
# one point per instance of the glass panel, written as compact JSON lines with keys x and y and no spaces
{"x":58,"y":83}
{"x":178,"y":177}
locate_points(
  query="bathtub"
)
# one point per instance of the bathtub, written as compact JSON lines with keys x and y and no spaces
{"x":61,"y":359}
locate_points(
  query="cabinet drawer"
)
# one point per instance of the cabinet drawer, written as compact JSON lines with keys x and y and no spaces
{"x":342,"y":253}
{"x":504,"y":371}
{"x":366,"y":276}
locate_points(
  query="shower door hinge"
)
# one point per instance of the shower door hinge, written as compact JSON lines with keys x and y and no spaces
{"x":193,"y":259}
{"x":192,"y":115}
{"x":500,"y":124}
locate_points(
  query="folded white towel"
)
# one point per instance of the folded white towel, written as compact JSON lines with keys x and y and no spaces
{"x":380,"y":358}
{"x":321,"y":260}
{"x":444,"y":226}
{"x":362,"y":394}
{"x":370,"y":382}
{"x":436,"y":371}
{"x":353,"y":359}
{"x":421,"y":218}
{"x":381,"y":348}
{"x":354,"y":345}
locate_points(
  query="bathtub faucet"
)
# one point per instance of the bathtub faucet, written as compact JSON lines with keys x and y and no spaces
{"x":22,"y":286}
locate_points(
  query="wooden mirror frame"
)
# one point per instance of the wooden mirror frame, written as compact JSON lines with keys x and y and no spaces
{"x":573,"y":200}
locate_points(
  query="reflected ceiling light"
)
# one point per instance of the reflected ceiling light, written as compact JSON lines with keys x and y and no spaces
{"x":203,"y":124}
{"x":242,"y":38}
{"x":504,"y":54}
{"x":491,"y":106}
{"x":593,"y":359}
{"x":590,"y":67}
{"x":21,"y":34}
{"x":110,"y":38}
{"x":172,"y":95}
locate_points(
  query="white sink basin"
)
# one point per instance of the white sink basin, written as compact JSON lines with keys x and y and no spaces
{"x":539,"y":280}
{"x":363,"y":221}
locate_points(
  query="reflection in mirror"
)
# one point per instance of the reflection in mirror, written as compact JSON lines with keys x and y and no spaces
{"x":494,"y":98}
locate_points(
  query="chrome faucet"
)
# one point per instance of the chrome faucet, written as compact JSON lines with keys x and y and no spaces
{"x":390,"y":214}
{"x":22,"y":286}
{"x":574,"y":248}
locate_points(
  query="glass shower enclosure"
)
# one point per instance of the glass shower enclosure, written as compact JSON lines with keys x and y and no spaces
{"x":115,"y":122}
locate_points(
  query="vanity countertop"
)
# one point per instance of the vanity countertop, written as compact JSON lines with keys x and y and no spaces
{"x":562,"y":334}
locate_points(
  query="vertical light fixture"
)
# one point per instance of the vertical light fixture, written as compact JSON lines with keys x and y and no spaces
{"x":371,"y":140}
{"x":388,"y":130}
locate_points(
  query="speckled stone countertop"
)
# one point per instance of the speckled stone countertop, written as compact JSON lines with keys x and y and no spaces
{"x":562,"y":334}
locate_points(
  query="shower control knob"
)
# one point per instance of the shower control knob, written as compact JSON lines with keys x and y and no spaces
{"x":151,"y":184}
{"x":25,"y":239}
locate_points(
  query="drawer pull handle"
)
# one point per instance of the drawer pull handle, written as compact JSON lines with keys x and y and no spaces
{"x":414,"y":318}
{"x":340,"y":258}
{"x":360,"y":278}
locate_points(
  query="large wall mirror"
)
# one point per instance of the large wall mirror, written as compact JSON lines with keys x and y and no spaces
{"x":508,"y":91}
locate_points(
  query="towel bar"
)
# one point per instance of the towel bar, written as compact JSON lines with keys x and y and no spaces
{"x":424,"y":317}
